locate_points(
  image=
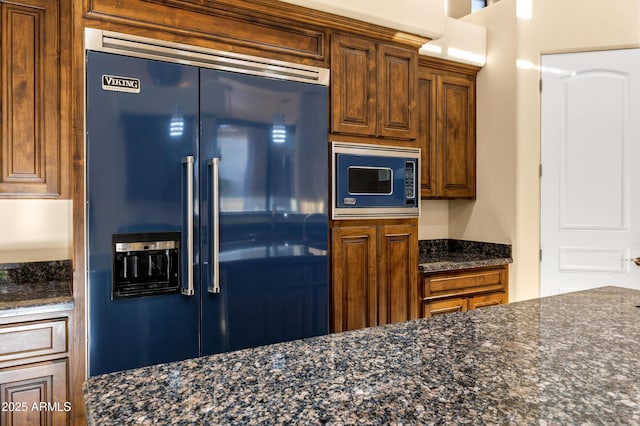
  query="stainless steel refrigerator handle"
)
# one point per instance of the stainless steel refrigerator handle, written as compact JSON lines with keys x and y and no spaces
{"x":188,"y":160}
{"x":214,"y":282}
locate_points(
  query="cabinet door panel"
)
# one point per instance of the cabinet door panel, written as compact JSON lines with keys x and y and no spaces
{"x":36,"y":394}
{"x":444,"y":307}
{"x":456,"y":134}
{"x":353,"y":85}
{"x":398,"y":272}
{"x":397,"y":81}
{"x":353,"y":296}
{"x":30,"y":116}
{"x":426,"y":112}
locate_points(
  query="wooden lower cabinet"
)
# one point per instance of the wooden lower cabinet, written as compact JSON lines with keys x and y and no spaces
{"x":374,"y":275}
{"x":485,"y":300}
{"x":34,"y":373}
{"x":446,"y":306}
{"x":35,"y":394}
{"x":354,"y":276}
{"x":462,"y":290}
{"x":397,"y":283}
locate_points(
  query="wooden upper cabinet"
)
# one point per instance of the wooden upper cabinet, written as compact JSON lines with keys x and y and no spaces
{"x":30,"y":147}
{"x":354,"y":290}
{"x":354,"y":85}
{"x":456,"y":134}
{"x":373,"y":88}
{"x":426,"y":111}
{"x":446,"y":131}
{"x":397,"y":274}
{"x":396,"y":92}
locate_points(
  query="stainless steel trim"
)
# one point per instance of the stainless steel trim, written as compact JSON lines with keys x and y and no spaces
{"x":149,"y":48}
{"x":189,"y":291}
{"x":373,"y":212}
{"x":214,"y":282}
{"x":146,"y":246}
{"x":377,"y":150}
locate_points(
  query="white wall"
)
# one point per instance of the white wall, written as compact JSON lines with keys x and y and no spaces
{"x":457,"y":8}
{"x":508,"y":106}
{"x":35,"y":230}
{"x":434,"y":220}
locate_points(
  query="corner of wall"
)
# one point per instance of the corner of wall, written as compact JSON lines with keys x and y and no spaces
{"x":35,"y":230}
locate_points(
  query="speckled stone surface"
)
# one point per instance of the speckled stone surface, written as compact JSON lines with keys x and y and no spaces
{"x":449,"y":254}
{"x":34,"y":285}
{"x":567,"y":359}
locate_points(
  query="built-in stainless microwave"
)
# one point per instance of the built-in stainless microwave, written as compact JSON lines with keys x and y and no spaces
{"x":374,"y":181}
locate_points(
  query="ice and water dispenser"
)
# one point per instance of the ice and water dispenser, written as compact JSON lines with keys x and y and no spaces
{"x":146,"y":264}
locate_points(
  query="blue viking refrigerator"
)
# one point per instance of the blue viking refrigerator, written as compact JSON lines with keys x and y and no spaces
{"x":206,"y":206}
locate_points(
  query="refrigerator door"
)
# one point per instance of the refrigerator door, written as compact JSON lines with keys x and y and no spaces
{"x":270,"y":137}
{"x":141,"y":123}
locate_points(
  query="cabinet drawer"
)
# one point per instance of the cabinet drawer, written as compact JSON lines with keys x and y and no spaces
{"x":31,"y":339}
{"x":477,"y":302}
{"x":464,"y":282}
{"x":441,"y":307}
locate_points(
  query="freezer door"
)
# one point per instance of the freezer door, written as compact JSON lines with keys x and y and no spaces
{"x":141,"y":124}
{"x":270,"y":139}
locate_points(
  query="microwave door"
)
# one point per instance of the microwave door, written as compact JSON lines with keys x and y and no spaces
{"x":374,"y":181}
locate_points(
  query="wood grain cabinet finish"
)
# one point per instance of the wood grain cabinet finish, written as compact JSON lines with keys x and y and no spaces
{"x":353,"y":85}
{"x":427,"y":132}
{"x":397,"y":279}
{"x":34,"y":373}
{"x":30,"y":146}
{"x":486,"y":300}
{"x":354,"y":276}
{"x":35,"y":394}
{"x":461,"y":290}
{"x":442,"y":307}
{"x":446,"y":132}
{"x":373,"y":88}
{"x":464,"y":282}
{"x":234,"y":24}
{"x":32,"y":339}
{"x":397,"y":68}
{"x":374,"y":275}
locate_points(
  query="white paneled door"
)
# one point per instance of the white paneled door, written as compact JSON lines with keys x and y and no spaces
{"x":590,"y":184}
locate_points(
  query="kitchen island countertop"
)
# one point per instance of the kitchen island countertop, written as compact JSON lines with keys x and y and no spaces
{"x":567,"y":359}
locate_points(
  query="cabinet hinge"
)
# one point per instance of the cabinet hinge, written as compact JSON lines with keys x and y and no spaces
{"x":540,"y":255}
{"x":540,"y":170}
{"x":540,"y":85}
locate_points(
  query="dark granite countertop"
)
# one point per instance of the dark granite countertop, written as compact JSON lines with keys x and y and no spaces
{"x":566,"y":359}
{"x":35,"y":287}
{"x":450,"y":254}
